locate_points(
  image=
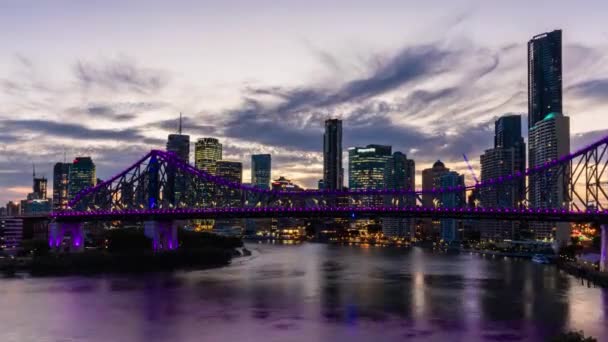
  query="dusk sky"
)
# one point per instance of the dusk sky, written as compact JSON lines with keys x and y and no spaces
{"x":109,"y":78}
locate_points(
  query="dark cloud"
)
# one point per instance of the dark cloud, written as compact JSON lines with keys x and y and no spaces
{"x":596,"y":89}
{"x":119,"y":75}
{"x":189,"y":126}
{"x":75,"y":131}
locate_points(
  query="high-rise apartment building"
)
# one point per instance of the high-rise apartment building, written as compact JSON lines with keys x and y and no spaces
{"x":366,"y":167}
{"x":333,"y":173}
{"x":548,"y":129}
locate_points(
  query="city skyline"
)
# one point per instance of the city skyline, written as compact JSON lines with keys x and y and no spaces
{"x":391,"y":92}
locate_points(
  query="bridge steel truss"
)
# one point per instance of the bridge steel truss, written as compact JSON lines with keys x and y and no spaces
{"x":161,"y":182}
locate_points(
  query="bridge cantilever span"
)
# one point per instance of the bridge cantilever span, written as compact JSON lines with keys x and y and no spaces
{"x":552,"y":215}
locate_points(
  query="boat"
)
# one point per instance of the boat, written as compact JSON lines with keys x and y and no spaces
{"x":540,"y":259}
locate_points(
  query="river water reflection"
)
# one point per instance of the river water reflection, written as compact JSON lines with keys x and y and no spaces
{"x":311,"y":292}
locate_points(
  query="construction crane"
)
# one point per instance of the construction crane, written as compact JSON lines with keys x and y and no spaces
{"x":466,"y":160}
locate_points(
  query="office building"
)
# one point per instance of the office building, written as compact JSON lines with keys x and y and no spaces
{"x":506,"y":158}
{"x":399,"y":174}
{"x":366,"y":166}
{"x":61,"y":181}
{"x":40,"y":185}
{"x":82,"y":175}
{"x":207,"y":152}
{"x":179,"y":143}
{"x":333,"y":173}
{"x":260,"y":171}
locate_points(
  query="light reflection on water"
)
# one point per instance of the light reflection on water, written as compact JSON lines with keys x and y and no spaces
{"x":311,"y":292}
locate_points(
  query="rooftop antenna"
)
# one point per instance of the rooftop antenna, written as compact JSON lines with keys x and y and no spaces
{"x":33,"y":170}
{"x":180,"y":123}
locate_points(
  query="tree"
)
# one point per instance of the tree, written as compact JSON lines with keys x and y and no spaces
{"x":572,"y":336}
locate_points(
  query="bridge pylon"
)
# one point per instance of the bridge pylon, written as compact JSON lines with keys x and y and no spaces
{"x":604,"y":250}
{"x":162,"y":233}
{"x":59,"y":230}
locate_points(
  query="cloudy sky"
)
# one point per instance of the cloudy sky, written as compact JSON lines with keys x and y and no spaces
{"x":109,"y":78}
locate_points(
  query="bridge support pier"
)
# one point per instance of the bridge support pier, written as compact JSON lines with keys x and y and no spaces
{"x":604,"y":252}
{"x":58,"y":230}
{"x":162,"y":233}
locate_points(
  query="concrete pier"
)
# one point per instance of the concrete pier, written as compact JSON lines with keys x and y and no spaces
{"x":59,"y":230}
{"x":162,"y":233}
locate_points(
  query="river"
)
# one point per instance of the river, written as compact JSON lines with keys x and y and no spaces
{"x":311,"y":292}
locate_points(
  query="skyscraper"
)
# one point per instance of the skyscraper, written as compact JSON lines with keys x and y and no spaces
{"x":548,"y":128}
{"x":506,"y":158}
{"x":82,"y":175}
{"x":399,"y":174}
{"x":333,"y":173}
{"x":179,"y":143}
{"x":207,"y":151}
{"x":61,"y":179}
{"x":40,"y":185}
{"x":260,"y":170}
{"x":544,"y":76}
{"x":366,"y":166}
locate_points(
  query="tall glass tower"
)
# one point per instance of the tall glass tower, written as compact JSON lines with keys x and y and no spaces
{"x":333,"y":173}
{"x":544,"y":76}
{"x":82,"y":175}
{"x":61,"y":178}
{"x":260,"y":170}
{"x":207,"y":152}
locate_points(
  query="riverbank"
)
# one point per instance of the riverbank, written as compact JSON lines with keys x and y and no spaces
{"x":96,"y":262}
{"x":584,"y":273}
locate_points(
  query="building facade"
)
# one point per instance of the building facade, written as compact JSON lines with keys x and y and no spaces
{"x":207,"y":152}
{"x":11,"y":234}
{"x":548,"y":129}
{"x":366,"y":166}
{"x":399,"y":174}
{"x":450,"y":227}
{"x":544,"y":76}
{"x":549,"y":139}
{"x":333,"y":173}
{"x":61,"y":181}
{"x":82,"y":175}
{"x":261,"y":170}
{"x":431,"y":229}
{"x":506,"y":158}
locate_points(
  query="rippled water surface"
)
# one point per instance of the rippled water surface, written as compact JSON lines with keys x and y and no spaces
{"x":311,"y":292}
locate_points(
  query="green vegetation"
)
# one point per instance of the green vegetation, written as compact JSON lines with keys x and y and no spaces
{"x":572,"y":336}
{"x":129,"y":251}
